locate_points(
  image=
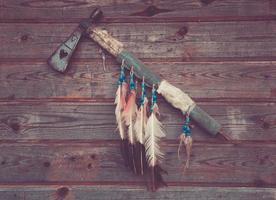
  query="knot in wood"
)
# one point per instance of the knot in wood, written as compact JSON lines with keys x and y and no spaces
{"x":62,"y":192}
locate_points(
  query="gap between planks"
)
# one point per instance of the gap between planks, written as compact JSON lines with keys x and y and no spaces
{"x":115,"y":143}
{"x":172,"y":60}
{"x":110,"y":101}
{"x":145,"y":19}
{"x":135,"y":184}
{"x":175,"y":60}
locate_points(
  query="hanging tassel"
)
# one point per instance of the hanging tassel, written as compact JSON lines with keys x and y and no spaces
{"x":120,"y":102}
{"x":154,"y":132}
{"x":139,"y":126}
{"x":186,"y":138}
{"x":129,"y":116}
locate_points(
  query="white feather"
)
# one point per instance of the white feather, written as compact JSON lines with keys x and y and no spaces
{"x":118,"y":113}
{"x":118,"y":95}
{"x":154,"y":132}
{"x":140,"y":123}
{"x":138,"y":126}
{"x":131,"y":133}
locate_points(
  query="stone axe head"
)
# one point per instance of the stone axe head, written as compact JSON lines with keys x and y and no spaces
{"x":60,"y":59}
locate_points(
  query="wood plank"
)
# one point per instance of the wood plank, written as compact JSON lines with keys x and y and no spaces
{"x":42,"y":120}
{"x":128,"y":192}
{"x":95,"y":163}
{"x":194,"y":41}
{"x":135,"y":10}
{"x":88,"y":80}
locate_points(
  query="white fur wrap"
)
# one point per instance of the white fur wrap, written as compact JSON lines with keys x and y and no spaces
{"x":176,"y":97}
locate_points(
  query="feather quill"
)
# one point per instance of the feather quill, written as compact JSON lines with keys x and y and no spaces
{"x":154,"y":133}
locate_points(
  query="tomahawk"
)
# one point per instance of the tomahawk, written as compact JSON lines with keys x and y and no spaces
{"x":59,"y":60}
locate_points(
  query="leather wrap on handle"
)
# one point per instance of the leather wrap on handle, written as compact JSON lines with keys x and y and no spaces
{"x":172,"y":94}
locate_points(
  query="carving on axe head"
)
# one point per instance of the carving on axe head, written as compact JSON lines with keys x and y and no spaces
{"x":60,"y":59}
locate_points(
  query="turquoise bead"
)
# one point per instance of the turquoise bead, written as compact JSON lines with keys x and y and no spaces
{"x":122,"y":77}
{"x":186,"y":130}
{"x":142,"y":99}
{"x":132,"y":84}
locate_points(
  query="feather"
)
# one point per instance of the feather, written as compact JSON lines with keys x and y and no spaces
{"x":186,"y":138}
{"x":118,"y":113}
{"x":129,"y":116}
{"x":188,"y":145}
{"x":181,"y":140}
{"x":120,"y":101}
{"x":141,"y":121}
{"x":124,"y":94}
{"x":154,"y":132}
{"x":139,"y":127}
{"x":188,"y":142}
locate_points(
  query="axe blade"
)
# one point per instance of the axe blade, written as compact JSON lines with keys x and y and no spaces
{"x":60,"y":59}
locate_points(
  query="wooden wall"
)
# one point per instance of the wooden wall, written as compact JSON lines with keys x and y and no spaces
{"x":57,"y":131}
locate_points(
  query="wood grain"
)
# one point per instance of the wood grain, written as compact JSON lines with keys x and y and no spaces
{"x":138,"y":11}
{"x":193,"y":41}
{"x":57,"y":131}
{"x":43,"y":121}
{"x":101,"y":164}
{"x":127,"y":192}
{"x":88,"y":80}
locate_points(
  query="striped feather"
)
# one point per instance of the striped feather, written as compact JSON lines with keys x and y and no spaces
{"x":154,"y":132}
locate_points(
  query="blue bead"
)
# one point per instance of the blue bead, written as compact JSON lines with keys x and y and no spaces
{"x":186,"y":129}
{"x":154,"y":99}
{"x":132,"y":84}
{"x":122,"y":77}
